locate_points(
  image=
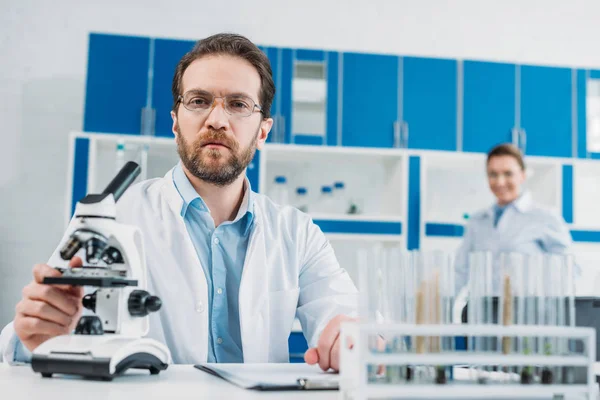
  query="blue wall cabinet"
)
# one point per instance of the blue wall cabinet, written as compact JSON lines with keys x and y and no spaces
{"x":429,"y":92}
{"x":546,"y":114}
{"x":167,"y":54}
{"x":282,"y":66}
{"x":117,"y":83}
{"x":370,"y":99}
{"x":488,"y":104}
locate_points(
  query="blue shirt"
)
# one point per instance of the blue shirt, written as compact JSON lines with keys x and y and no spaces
{"x":498,"y":211}
{"x":222,"y":251}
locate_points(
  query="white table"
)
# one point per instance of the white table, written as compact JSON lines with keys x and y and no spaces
{"x":177,"y":382}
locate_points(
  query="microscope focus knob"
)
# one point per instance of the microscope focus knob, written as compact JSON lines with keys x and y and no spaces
{"x":141,"y":303}
{"x":89,"y":301}
{"x":89,"y":325}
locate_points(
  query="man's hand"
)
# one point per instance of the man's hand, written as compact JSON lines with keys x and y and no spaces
{"x":327,"y":352}
{"x":47,"y":311}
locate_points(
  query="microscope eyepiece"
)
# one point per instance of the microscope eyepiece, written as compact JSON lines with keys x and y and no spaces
{"x":123,"y":180}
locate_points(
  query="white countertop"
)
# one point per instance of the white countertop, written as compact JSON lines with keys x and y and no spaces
{"x":177,"y":382}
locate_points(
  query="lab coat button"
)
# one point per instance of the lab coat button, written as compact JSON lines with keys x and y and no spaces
{"x":199,"y":307}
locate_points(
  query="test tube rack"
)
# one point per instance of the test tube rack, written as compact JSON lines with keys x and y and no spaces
{"x":358,"y":358}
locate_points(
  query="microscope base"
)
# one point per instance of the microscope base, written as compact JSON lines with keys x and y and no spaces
{"x":103,"y":357}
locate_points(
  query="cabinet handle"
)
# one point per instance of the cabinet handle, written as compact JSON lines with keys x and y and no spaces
{"x":523,"y":141}
{"x":515,"y":133}
{"x":282,"y":129}
{"x":397,"y":134}
{"x":405,"y":134}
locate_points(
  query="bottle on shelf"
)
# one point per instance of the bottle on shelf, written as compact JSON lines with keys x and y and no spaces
{"x":339,"y":194}
{"x":301,"y":201}
{"x":279,"y":191}
{"x":326,"y":202}
{"x":120,"y":156}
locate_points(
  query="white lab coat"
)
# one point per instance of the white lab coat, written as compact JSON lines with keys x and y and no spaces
{"x":290,"y":270}
{"x":524,"y":227}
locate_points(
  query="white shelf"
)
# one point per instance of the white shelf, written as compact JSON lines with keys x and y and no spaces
{"x":116,"y":138}
{"x":357,"y":217}
{"x":297,"y":151}
{"x":475,"y":359}
{"x":453,"y":390}
{"x":363,"y":237}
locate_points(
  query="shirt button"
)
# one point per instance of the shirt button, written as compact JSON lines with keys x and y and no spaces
{"x":199,"y":307}
{"x":220,"y":340}
{"x":216,"y":241}
{"x":220,"y":291}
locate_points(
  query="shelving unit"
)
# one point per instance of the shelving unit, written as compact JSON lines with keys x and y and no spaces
{"x":452,"y":184}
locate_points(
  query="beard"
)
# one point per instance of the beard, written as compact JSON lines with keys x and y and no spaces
{"x":215,"y":165}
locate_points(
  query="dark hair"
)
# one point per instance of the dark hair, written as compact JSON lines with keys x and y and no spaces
{"x":234,"y":45}
{"x":507,"y":149}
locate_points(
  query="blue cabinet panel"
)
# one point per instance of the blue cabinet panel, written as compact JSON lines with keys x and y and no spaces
{"x":370,"y":100}
{"x":117,"y":82}
{"x":282,"y":65}
{"x":429,"y":102}
{"x":414,"y":203}
{"x":310,"y":55}
{"x":297,"y":347}
{"x":167,"y":54}
{"x":333,"y":60}
{"x":489,"y":105}
{"x":567,"y":189}
{"x":581,"y":114}
{"x":80,"y":171}
{"x":546,"y":110}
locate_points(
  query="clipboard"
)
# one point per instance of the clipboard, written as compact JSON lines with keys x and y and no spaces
{"x":273,"y":377}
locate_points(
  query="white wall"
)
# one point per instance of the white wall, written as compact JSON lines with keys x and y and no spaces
{"x":43,"y":57}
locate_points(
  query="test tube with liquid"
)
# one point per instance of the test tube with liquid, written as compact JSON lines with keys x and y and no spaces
{"x":480,"y":308}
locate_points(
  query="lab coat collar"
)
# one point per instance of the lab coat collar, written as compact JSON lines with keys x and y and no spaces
{"x":188,"y":194}
{"x":523,"y":204}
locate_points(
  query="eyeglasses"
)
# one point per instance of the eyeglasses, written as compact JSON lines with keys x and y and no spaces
{"x":200,"y":101}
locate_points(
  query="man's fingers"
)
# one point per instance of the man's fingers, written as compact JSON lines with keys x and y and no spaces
{"x":334,"y":355}
{"x":311,"y":356}
{"x":57,"y":298}
{"x":40,"y":271}
{"x":30,"y":326}
{"x":43,"y":310}
{"x":76,"y":262}
{"x":328,"y":337}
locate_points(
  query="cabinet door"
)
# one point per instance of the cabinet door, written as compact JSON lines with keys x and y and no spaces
{"x":546,"y":110}
{"x":167,"y":54}
{"x":282,"y":66}
{"x":117,"y":83}
{"x":309,"y":97}
{"x":489,"y":105}
{"x":429,"y":102}
{"x":370,"y":99}
{"x":334,"y":100}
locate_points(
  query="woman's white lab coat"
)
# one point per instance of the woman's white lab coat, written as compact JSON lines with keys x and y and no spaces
{"x":290,"y":270}
{"x":524,"y":227}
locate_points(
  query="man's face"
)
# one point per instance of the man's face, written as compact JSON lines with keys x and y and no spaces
{"x":214,"y":145}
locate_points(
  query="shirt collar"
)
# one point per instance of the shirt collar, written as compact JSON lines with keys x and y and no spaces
{"x":191,"y":197}
{"x":522,"y":204}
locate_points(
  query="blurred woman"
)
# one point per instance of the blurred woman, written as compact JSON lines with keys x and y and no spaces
{"x":514,"y":223}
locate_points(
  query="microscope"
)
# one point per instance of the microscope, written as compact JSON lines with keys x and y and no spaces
{"x":110,"y":342}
